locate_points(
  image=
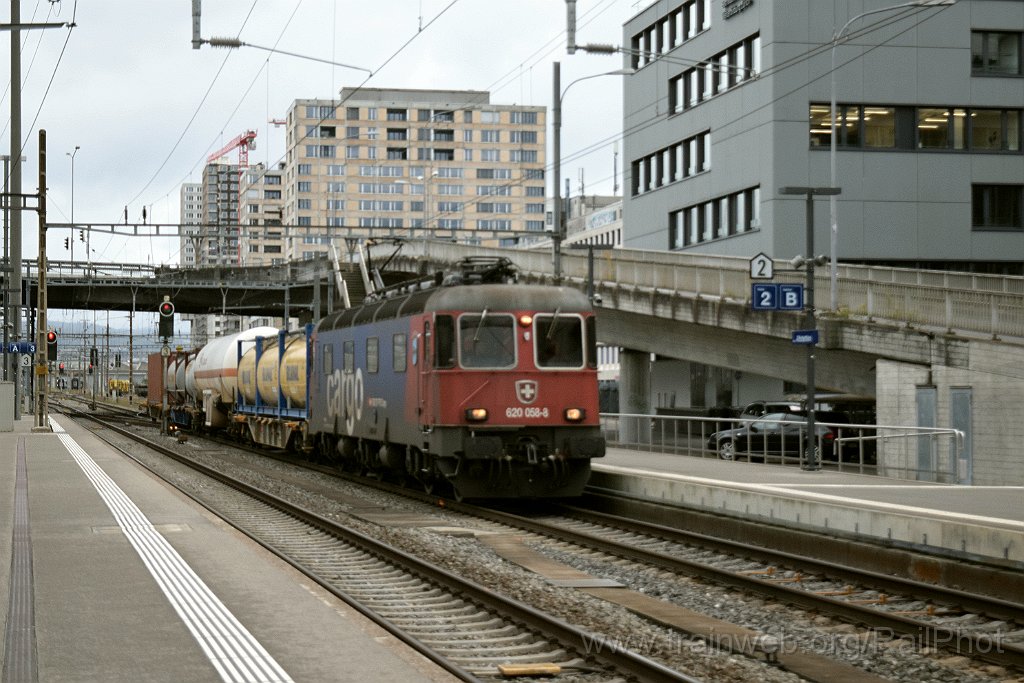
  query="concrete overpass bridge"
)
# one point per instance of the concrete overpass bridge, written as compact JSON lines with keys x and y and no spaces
{"x":934,"y":348}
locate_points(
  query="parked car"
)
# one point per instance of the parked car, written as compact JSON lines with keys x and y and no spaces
{"x":772,"y":435}
{"x":758,"y":409}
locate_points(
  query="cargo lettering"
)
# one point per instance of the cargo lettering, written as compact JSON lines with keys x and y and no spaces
{"x":345,"y":397}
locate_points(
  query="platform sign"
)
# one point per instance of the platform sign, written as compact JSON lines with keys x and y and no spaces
{"x":21,"y":347}
{"x":791,"y":297}
{"x":764,"y":297}
{"x":805,"y":337}
{"x":762,"y":267}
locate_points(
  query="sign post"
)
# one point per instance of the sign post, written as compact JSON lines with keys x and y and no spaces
{"x":809,"y":333}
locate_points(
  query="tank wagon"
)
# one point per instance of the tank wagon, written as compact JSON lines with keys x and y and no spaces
{"x":476,"y":384}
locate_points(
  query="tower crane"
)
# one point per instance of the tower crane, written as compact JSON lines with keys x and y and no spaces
{"x":243,"y":142}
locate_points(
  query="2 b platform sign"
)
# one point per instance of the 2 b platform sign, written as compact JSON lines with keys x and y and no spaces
{"x":777,"y":297}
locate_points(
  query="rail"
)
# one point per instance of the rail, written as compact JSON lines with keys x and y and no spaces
{"x":898,"y":452}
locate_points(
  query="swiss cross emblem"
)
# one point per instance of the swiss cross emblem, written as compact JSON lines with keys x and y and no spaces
{"x":526,"y":391}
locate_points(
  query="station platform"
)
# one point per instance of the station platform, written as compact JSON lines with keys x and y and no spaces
{"x":111,"y":575}
{"x":984,"y":523}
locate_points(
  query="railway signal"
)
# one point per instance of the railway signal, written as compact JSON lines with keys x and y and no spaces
{"x":166,"y":327}
{"x":51,"y":346}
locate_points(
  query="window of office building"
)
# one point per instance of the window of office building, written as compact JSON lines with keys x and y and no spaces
{"x":923,"y":128}
{"x":397,"y":114}
{"x":670,"y":31}
{"x":720,"y":72}
{"x":721,"y":217}
{"x":997,"y":207}
{"x":352,"y":113}
{"x":490,"y":117}
{"x":996,"y":52}
{"x":670,"y":164}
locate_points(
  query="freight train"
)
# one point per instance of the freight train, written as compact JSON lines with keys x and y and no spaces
{"x":473,"y":385}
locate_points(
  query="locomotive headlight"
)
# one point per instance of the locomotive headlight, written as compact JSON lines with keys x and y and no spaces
{"x":525,"y":320}
{"x":575,"y":414}
{"x":476,"y":414}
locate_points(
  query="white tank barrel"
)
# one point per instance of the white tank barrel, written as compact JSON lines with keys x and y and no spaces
{"x":216,"y":366}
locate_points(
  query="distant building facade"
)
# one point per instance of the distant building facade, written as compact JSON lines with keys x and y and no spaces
{"x":406,"y":163}
{"x":262,"y":234}
{"x":191,"y":217}
{"x":928,"y":147}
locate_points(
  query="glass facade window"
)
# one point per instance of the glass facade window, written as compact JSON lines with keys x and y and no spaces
{"x":997,"y":207}
{"x":720,"y":217}
{"x":996,"y":53}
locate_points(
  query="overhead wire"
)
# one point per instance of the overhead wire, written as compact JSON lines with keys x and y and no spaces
{"x":577,"y":154}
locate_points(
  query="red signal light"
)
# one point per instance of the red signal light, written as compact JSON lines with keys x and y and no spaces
{"x":166,"y":308}
{"x":51,"y":337}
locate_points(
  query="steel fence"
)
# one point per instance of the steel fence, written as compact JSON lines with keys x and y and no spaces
{"x":899,"y":452}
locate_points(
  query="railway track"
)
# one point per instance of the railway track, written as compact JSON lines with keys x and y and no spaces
{"x":934,"y":616}
{"x":613,"y":549}
{"x":457,"y":623}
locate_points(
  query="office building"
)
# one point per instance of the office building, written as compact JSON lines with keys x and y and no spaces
{"x":737,"y":98}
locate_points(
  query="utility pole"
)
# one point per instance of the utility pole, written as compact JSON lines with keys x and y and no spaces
{"x":15,"y":189}
{"x":14,"y":257}
{"x":42,"y":423}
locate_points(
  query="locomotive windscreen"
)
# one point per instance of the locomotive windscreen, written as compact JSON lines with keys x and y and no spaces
{"x":487,"y":341}
{"x":559,"y":341}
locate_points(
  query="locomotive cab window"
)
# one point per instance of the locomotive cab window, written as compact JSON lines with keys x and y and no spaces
{"x":328,"y":359}
{"x":487,"y":340}
{"x":559,"y":340}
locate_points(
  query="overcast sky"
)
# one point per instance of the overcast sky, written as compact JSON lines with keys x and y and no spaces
{"x":146,"y":109}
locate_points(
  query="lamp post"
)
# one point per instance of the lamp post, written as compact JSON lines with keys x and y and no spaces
{"x":833,"y":217}
{"x":558,"y":94}
{"x":71,"y":241}
{"x":811,"y":462}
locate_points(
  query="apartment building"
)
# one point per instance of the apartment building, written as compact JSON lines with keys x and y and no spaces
{"x":190,"y":198}
{"x":732,"y":101}
{"x":218,"y":235}
{"x":409,"y":163}
{"x":261,"y":234}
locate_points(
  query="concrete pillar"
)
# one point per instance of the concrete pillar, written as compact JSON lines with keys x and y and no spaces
{"x":635,"y":396}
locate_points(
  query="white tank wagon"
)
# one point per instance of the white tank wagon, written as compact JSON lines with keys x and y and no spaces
{"x":212,"y":378}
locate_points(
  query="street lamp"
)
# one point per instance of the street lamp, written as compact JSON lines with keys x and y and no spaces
{"x":72,"y":240}
{"x":556,"y":149}
{"x":836,"y":37}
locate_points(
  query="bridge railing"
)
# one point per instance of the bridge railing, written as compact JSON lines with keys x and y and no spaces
{"x":899,"y":452}
{"x":959,"y":302}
